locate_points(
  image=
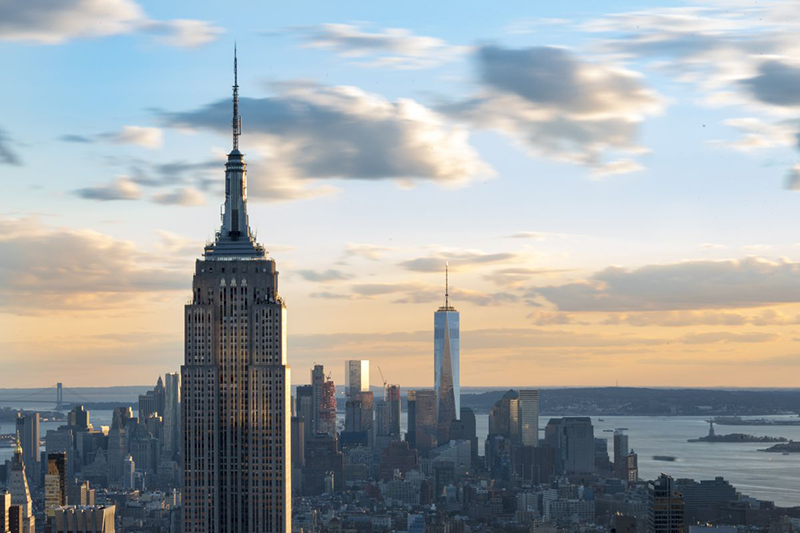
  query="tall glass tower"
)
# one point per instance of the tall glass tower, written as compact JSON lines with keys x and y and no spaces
{"x":235,"y":393}
{"x":446,"y":358}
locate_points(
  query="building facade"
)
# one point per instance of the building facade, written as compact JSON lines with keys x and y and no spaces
{"x":20,"y":492}
{"x":356,"y":376}
{"x":529,"y":417}
{"x":235,"y":393}
{"x":446,"y":360}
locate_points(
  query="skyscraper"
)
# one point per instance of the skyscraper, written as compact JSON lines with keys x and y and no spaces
{"x":172,"y":415}
{"x":356,"y":376}
{"x":446,"y":364}
{"x":317,"y":383}
{"x":327,"y":413}
{"x":529,"y":417}
{"x":20,"y":492}
{"x":55,"y":482}
{"x":573,"y":439}
{"x":393,"y":400}
{"x":620,"y":454}
{"x":424,"y":415}
{"x":235,"y":394}
{"x":29,"y":437}
{"x":666,"y":506}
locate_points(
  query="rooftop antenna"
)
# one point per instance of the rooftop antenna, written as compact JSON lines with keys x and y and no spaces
{"x":446,"y":285}
{"x":237,"y":120}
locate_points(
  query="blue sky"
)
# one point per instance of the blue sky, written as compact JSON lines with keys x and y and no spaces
{"x":611,"y":181}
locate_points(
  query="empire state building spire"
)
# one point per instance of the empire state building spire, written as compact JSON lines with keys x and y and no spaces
{"x":234,"y":237}
{"x":237,"y":120}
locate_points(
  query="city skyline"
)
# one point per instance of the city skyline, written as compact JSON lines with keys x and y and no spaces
{"x":633,"y":223}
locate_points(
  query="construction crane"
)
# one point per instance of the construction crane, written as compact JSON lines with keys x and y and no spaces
{"x":384,"y":381}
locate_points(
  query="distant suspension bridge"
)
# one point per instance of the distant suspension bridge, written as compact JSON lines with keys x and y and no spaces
{"x":43,"y":396}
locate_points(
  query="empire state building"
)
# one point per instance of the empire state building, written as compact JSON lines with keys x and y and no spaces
{"x":235,"y":380}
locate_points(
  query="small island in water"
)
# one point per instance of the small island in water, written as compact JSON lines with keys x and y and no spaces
{"x":785,"y":449}
{"x":734,"y":437}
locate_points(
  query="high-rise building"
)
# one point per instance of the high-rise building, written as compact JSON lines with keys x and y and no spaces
{"x":573,"y":439}
{"x":152,"y":402}
{"x":28,"y":431}
{"x":323,"y":399}
{"x":446,"y":360}
{"x":395,"y":410}
{"x":5,"y":503}
{"x":16,"y":521}
{"x":425,"y":421}
{"x":172,"y":416}
{"x":317,"y":382}
{"x":20,"y":492}
{"x":118,"y":442}
{"x":356,"y":376}
{"x":632,"y":467}
{"x":621,"y":451}
{"x":504,"y":417}
{"x":411,"y":422}
{"x":666,"y":506}
{"x":78,"y":418}
{"x":465,"y":428}
{"x":529,"y":417}
{"x":55,"y":482}
{"x":327,"y":413}
{"x":128,"y":473}
{"x":62,"y":440}
{"x":88,"y":519}
{"x":235,"y":392}
{"x":304,"y":407}
{"x":322,"y":458}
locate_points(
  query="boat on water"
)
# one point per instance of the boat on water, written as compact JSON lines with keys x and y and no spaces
{"x":667,"y":458}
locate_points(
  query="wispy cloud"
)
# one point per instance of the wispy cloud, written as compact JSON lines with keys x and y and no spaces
{"x":311,"y":132}
{"x":7,"y":155}
{"x":121,"y":188}
{"x":560,"y":106}
{"x":392,"y":47}
{"x":51,"y":23}
{"x":748,"y":282}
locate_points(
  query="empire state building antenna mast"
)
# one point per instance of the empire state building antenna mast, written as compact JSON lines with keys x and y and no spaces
{"x":237,"y":120}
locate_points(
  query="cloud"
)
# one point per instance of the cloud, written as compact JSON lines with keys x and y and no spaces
{"x":49,"y":22}
{"x":542,"y":318}
{"x":458,"y":260}
{"x":724,"y":336}
{"x":144,"y":136}
{"x":372,"y":252}
{"x":185,"y":196}
{"x":540,"y":236}
{"x":392,"y":47}
{"x":759,"y":134}
{"x":776,"y":83}
{"x":323,"y":275}
{"x":74,"y":138}
{"x":748,"y":282}
{"x":313,"y":132}
{"x":7,"y":155}
{"x":679,"y":319}
{"x":793,"y":178}
{"x":734,"y":53}
{"x":184,"y":33}
{"x":513,"y":277}
{"x":414,"y":292}
{"x":56,"y":268}
{"x":325,"y":295}
{"x":121,"y":188}
{"x":557,"y":105}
